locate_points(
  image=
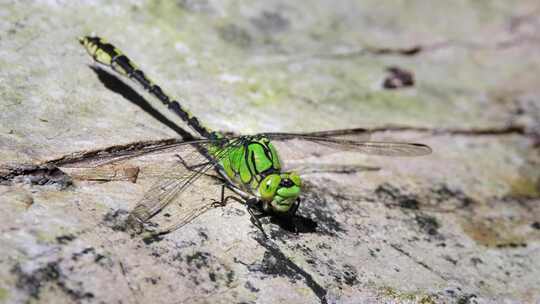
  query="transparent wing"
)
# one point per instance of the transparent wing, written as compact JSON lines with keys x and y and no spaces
{"x":353,"y":140}
{"x":181,"y":194}
{"x":120,"y":153}
{"x":317,"y":168}
{"x":354,"y":134}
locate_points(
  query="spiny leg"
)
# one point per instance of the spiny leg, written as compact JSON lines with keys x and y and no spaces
{"x":196,"y":167}
{"x":190,"y":167}
{"x":294,"y":208}
{"x":292,"y":214}
{"x":254,"y":217}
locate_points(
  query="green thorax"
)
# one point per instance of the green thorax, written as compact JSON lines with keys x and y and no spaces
{"x":248,"y":161}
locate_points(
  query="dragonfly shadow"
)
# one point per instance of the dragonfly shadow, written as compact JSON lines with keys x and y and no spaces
{"x":296,"y":224}
{"x":116,"y":85}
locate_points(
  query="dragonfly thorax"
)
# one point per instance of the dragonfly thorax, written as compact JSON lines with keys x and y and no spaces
{"x":253,"y":164}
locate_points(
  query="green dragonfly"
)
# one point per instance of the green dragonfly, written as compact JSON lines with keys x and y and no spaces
{"x":248,"y":165}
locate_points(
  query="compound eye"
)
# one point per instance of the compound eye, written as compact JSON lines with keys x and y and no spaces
{"x":269,"y":186}
{"x":287,"y":183}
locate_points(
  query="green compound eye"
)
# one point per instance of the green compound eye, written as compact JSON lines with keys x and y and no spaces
{"x":268,"y":187}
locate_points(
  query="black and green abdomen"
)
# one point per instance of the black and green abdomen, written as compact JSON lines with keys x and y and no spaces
{"x":107,"y":54}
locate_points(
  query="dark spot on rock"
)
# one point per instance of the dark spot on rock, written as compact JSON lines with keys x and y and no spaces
{"x":152,"y":239}
{"x":390,"y":195}
{"x":450,"y":259}
{"x":349,"y":275}
{"x":303,"y":248}
{"x":444,"y":194}
{"x":235,"y":34}
{"x":64,"y":239}
{"x":203,"y":235}
{"x":475,"y":261}
{"x":270,"y":22}
{"x":250,"y":287}
{"x":428,"y":224}
{"x":398,"y":78}
{"x":75,"y":256}
{"x":233,"y":212}
{"x":511,"y":245}
{"x":88,"y":250}
{"x":199,"y":259}
{"x":212,"y":276}
{"x":536,"y":225}
{"x":466,"y":299}
{"x":409,"y":203}
{"x":230,"y":277}
{"x":346,"y":275}
{"x":178,"y":257}
{"x":323,"y":246}
{"x":32,"y":282}
{"x":408,"y":51}
{"x":440,"y":197}
{"x":99,"y":257}
{"x":152,"y":280}
{"x":167,"y":214}
{"x":116,"y":219}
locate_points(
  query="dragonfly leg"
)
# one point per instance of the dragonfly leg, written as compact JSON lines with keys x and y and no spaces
{"x":291,"y":216}
{"x":190,"y":168}
{"x":294,"y":208}
{"x":223,"y":200}
{"x":253,"y":217}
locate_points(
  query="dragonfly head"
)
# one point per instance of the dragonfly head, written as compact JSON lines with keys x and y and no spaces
{"x":280,"y":191}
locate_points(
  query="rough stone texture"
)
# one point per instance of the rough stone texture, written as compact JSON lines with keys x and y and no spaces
{"x":459,"y":226}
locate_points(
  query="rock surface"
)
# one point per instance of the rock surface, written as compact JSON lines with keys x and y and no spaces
{"x":459,"y":226}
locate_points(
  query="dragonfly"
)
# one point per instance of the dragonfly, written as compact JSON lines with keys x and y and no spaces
{"x":248,"y":165}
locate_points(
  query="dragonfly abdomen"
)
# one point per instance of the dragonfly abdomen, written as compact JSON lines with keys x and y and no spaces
{"x":107,"y":54}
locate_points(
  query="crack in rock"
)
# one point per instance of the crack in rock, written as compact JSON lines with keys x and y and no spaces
{"x":41,"y":175}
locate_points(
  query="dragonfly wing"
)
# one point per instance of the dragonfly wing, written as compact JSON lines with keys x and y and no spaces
{"x":352,"y":140}
{"x":183,"y":192}
{"x":355,"y":134}
{"x":304,"y":168}
{"x":170,"y":184}
{"x":175,"y":205}
{"x":118,"y":154}
{"x":388,"y":148}
{"x":120,"y":164}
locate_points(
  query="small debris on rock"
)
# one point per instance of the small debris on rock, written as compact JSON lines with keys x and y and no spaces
{"x":398,"y":78}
